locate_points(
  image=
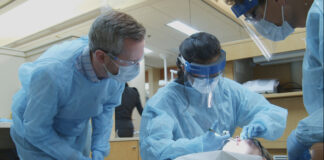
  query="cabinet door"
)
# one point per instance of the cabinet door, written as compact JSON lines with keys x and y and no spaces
{"x":123,"y":150}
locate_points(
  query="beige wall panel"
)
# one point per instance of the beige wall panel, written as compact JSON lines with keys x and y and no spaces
{"x":123,"y":150}
{"x":9,"y":82}
{"x":229,"y":70}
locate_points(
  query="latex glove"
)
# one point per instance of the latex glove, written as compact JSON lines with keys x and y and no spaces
{"x":97,"y":155}
{"x":213,"y":141}
{"x":295,"y":149}
{"x":252,"y":130}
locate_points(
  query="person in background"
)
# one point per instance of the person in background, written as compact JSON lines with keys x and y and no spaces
{"x":201,"y":109}
{"x":73,"y":83}
{"x":123,"y":113}
{"x":276,"y":20}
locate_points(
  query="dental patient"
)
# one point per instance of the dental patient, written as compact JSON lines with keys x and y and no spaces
{"x":248,"y":146}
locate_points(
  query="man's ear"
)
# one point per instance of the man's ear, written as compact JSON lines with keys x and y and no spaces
{"x":99,"y":55}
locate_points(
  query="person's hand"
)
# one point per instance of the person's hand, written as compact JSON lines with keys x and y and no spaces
{"x":295,"y":149}
{"x":212,"y":140}
{"x":252,"y":130}
{"x":96,"y":155}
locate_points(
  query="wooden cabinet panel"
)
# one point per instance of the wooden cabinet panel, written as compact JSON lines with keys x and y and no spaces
{"x":123,"y":150}
{"x":229,"y":70}
{"x":281,"y":72}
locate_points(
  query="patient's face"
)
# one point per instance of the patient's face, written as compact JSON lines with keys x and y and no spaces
{"x":243,"y":147}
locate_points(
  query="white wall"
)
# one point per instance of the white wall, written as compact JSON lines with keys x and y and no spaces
{"x":9,"y":83}
{"x":10,"y":61}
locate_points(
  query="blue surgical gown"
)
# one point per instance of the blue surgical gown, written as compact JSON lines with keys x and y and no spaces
{"x":177,"y":115}
{"x":52,"y":111}
{"x":310,"y":129}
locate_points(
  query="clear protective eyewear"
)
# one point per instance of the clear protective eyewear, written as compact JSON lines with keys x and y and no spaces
{"x":124,"y":62}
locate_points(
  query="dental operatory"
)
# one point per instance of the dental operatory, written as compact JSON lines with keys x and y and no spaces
{"x":161,"y":80}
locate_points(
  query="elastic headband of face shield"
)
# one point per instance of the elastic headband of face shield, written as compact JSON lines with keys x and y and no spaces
{"x":204,"y":71}
{"x":241,"y":8}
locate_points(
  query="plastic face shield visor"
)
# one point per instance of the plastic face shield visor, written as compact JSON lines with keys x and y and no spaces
{"x":204,"y":78}
{"x":205,"y":71}
{"x":247,"y":21}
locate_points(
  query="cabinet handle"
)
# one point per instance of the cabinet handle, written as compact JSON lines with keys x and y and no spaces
{"x":133,"y":147}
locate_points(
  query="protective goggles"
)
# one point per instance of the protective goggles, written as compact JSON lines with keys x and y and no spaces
{"x":241,"y":8}
{"x":205,"y":71}
{"x":123,"y":62}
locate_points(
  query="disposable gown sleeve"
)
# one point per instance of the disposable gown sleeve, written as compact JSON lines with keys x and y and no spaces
{"x":42,"y":107}
{"x":310,"y":129}
{"x":253,"y":108}
{"x":102,"y":124}
{"x":156,"y":137}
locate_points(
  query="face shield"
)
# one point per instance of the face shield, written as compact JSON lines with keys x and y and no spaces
{"x":204,"y":78}
{"x":262,"y":32}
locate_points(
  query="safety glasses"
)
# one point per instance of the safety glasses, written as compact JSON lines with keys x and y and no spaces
{"x":122,"y":61}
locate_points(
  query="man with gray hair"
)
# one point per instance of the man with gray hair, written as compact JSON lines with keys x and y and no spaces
{"x":72,"y":83}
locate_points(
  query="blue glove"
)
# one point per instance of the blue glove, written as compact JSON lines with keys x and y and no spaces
{"x":252,"y":130}
{"x":296,"y":150}
{"x":97,"y":155}
{"x":212,"y":140}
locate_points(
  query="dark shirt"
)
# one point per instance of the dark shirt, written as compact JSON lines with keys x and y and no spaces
{"x":130,"y":100}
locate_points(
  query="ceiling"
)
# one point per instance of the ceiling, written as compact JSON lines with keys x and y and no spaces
{"x":154,"y":15}
{"x":6,"y":5}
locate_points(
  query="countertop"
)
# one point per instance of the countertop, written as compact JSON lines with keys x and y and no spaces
{"x":5,"y":124}
{"x":124,"y":139}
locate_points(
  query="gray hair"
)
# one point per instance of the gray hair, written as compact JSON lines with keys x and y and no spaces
{"x":109,"y":31}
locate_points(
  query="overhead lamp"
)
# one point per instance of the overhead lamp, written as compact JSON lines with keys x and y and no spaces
{"x":182,"y":27}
